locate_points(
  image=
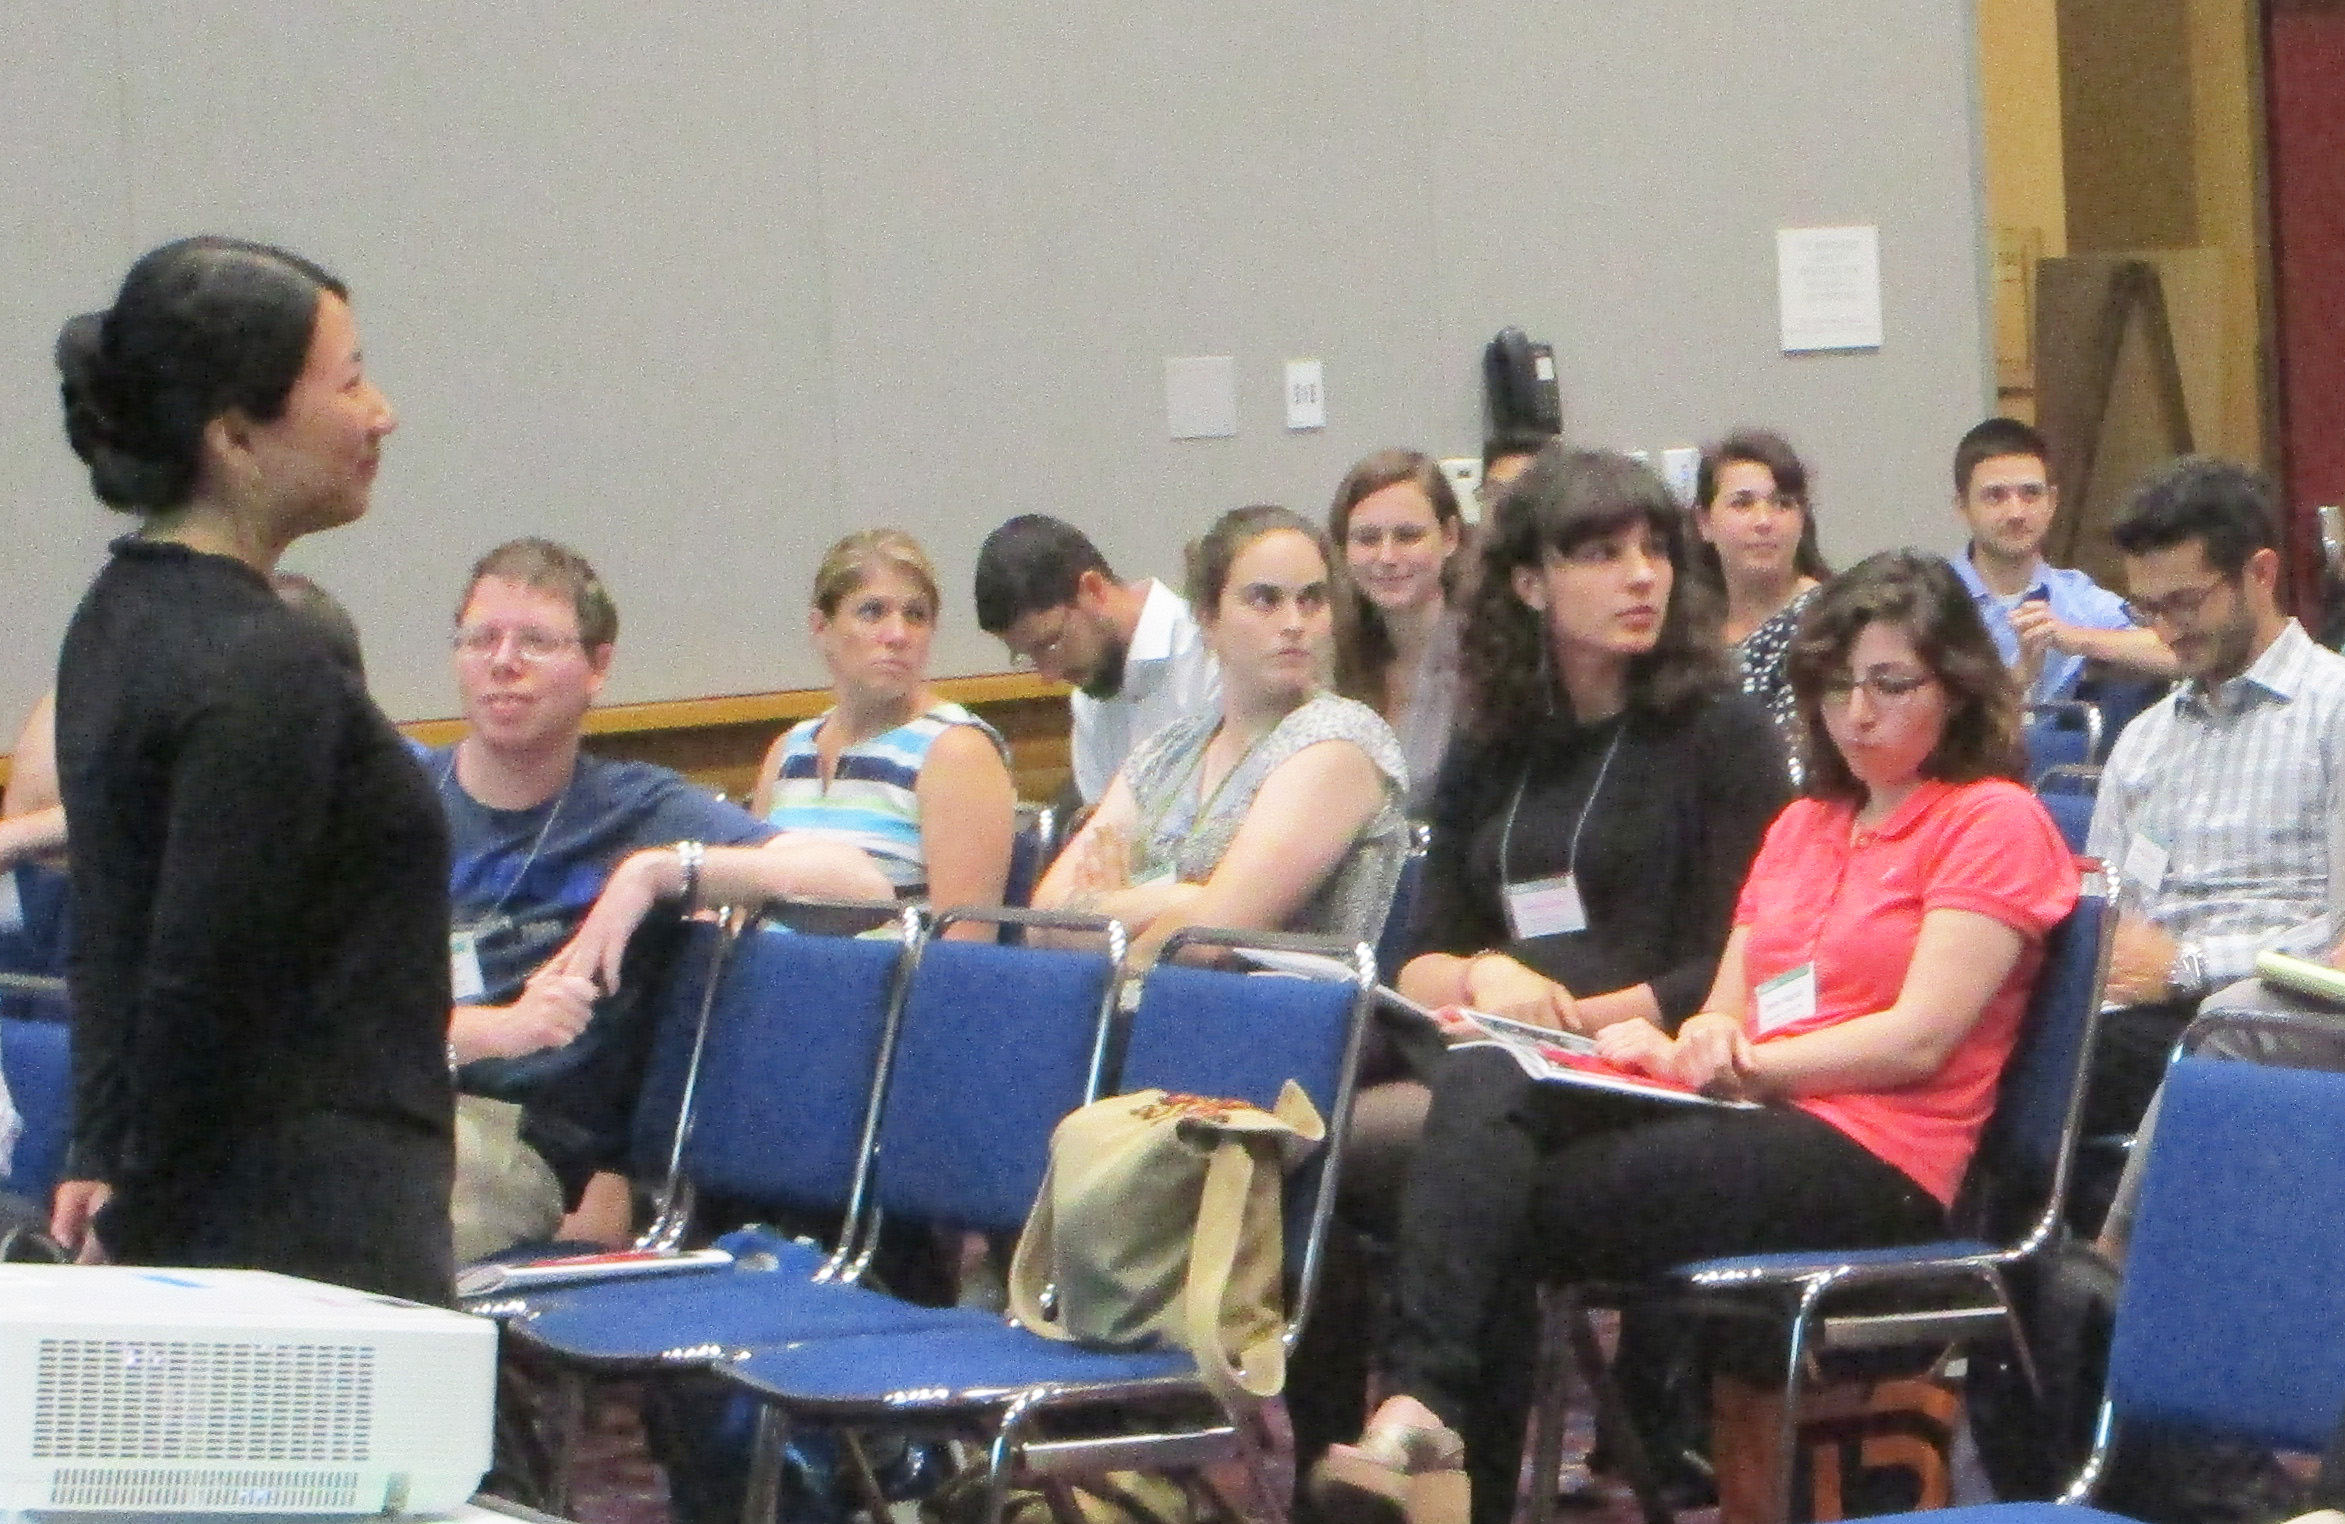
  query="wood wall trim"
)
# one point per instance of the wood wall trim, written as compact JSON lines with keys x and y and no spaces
{"x":755,"y":709}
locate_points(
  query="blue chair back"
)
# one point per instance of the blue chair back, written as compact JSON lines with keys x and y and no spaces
{"x":1209,"y":1031}
{"x":1030,"y":854}
{"x":2227,"y":1320}
{"x":2060,"y":733}
{"x":36,"y":1062}
{"x":1398,"y":935}
{"x":35,"y":944}
{"x":996,"y":1045}
{"x":2040,"y":1105}
{"x":797,"y":1036}
{"x":2067,"y":793}
{"x":668,"y":1074}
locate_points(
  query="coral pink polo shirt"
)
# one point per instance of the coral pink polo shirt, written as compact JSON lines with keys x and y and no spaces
{"x":1853,"y":905}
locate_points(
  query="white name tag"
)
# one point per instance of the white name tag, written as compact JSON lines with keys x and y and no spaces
{"x":1787,"y":998}
{"x":2144,"y":865}
{"x":1545,"y":907}
{"x":464,"y":979}
{"x":11,"y":904}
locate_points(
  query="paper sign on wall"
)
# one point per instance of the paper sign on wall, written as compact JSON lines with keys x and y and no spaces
{"x":1828,"y":281}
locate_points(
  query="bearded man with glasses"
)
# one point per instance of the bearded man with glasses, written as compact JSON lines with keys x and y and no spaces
{"x":2220,"y":805}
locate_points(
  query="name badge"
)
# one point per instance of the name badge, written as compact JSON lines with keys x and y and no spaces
{"x":1545,"y":907}
{"x":11,"y":904}
{"x":2144,"y":865}
{"x":464,"y":980}
{"x":1787,"y":998}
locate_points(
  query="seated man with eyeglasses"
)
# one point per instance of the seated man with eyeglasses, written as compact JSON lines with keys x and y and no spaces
{"x":1132,"y":650}
{"x":546,"y":840}
{"x":2047,"y":621}
{"x":2220,"y":806}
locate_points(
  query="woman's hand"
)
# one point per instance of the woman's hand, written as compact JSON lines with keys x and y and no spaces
{"x":1637,"y":1045}
{"x":71,"y":1211}
{"x":1503,"y":987}
{"x":1102,"y":863}
{"x":1714,"y":1055}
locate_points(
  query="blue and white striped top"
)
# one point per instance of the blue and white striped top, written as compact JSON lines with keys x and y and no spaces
{"x":872,"y":801}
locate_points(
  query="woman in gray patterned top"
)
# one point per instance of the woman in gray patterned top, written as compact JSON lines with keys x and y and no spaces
{"x":1755,"y":549}
{"x":1282,"y":811}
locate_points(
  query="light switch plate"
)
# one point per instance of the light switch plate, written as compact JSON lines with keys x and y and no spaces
{"x":1306,"y":395}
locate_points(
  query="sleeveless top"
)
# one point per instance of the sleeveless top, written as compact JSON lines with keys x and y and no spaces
{"x":872,"y":801}
{"x":1186,"y":836}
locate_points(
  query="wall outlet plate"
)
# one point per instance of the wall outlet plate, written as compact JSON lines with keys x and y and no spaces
{"x":1465,"y":479}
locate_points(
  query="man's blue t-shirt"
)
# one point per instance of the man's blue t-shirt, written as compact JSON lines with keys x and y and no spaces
{"x":521,"y":881}
{"x":2074,"y":597}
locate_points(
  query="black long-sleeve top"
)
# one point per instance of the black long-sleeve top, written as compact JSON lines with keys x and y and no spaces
{"x":1661,"y":859}
{"x":260,"y":880}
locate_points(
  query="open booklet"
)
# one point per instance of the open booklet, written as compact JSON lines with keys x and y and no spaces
{"x":582,"y":1269}
{"x":1563,"y":1058}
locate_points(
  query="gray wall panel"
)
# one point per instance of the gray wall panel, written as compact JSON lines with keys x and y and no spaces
{"x":701,"y":291}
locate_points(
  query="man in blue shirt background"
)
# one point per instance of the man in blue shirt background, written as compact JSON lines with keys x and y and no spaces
{"x":2048,"y":621}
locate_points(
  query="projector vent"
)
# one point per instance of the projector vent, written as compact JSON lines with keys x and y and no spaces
{"x":189,"y":1400}
{"x":246,"y":1491}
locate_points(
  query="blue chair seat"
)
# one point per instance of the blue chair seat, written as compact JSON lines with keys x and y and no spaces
{"x":973,"y":1357}
{"x":1718,"y":1273}
{"x":634,"y":1324}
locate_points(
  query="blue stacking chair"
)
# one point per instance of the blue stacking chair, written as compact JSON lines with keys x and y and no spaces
{"x":1031,"y":850}
{"x":1392,"y":943}
{"x":678,"y":1015}
{"x":2061,"y":733}
{"x":1197,"y":1030}
{"x":798,"y":1034}
{"x":32,"y":947}
{"x":2067,"y":792}
{"x":1948,"y":1290}
{"x":2227,"y":1317}
{"x":36,"y":1063}
{"x":815,"y":1098}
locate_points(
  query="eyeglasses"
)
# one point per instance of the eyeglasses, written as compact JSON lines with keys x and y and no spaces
{"x":531,"y":643}
{"x":1028,"y":658}
{"x":1888,"y":689}
{"x":2175,"y":608}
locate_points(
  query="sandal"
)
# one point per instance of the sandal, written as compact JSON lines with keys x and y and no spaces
{"x":1396,"y":1474}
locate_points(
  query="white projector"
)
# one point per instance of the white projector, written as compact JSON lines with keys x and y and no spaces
{"x":235,"y":1391}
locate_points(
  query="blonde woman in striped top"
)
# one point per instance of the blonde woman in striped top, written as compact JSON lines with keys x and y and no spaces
{"x":921,"y":785}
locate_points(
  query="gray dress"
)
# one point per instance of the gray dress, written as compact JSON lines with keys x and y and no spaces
{"x":1178,"y":837}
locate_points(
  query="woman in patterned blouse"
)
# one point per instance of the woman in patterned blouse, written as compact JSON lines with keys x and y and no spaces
{"x":1757,"y":551}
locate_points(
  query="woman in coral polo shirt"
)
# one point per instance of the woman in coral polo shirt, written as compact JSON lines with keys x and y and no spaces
{"x":1883,"y":949}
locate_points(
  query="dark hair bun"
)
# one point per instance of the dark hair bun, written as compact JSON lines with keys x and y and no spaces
{"x":200,"y":326}
{"x":120,"y":477}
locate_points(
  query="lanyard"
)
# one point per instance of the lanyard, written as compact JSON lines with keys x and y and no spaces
{"x":1190,"y":776}
{"x":1571,"y":859}
{"x":448,"y":774}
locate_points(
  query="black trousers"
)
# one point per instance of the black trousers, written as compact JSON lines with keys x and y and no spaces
{"x":1517,"y":1183}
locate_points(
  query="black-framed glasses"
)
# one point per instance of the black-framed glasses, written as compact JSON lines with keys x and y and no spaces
{"x":1885,"y":688}
{"x":2175,"y":607}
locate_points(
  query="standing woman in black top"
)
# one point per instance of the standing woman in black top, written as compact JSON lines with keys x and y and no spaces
{"x":260,"y":874}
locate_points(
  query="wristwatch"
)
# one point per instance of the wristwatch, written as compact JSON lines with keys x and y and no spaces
{"x":2189,"y":974}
